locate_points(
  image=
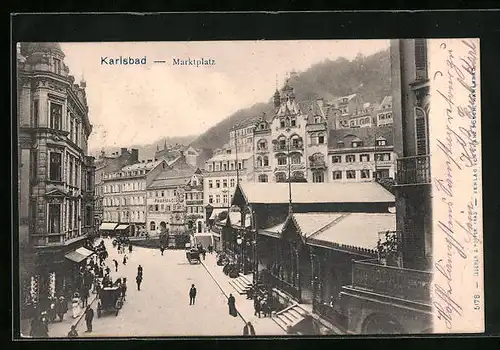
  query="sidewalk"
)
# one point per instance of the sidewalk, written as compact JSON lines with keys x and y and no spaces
{"x":263,"y":325}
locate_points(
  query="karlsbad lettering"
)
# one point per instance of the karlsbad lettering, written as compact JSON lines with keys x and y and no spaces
{"x":123,"y":61}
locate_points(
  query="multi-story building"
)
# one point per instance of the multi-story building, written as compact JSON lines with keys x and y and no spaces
{"x":166,"y":198}
{"x":195,"y":211}
{"x":241,"y":136}
{"x":360,"y":155}
{"x":221,"y":174}
{"x":124,"y":193}
{"x":403,"y":306}
{"x":106,"y":164}
{"x":56,"y":175}
{"x":384,"y":112}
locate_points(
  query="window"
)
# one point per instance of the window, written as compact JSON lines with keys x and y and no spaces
{"x":232,"y":182}
{"x":57,"y":66}
{"x":340,"y":144}
{"x":282,"y":123}
{"x":217,"y":183}
{"x":162,"y":207}
{"x":36,"y":106}
{"x":34,"y":165}
{"x":336,"y":159}
{"x":280,"y":177}
{"x":55,"y":116}
{"x":364,"y":157}
{"x":217,"y":198}
{"x":210,"y":199}
{"x":71,"y":129}
{"x":321,"y":140}
{"x":55,"y":166}
{"x":231,"y":166}
{"x":266,"y":161}
{"x":382,"y":156}
{"x":296,"y":159}
{"x":156,"y":193}
{"x":282,"y":160}
{"x":224,"y":166}
{"x":210,"y":184}
{"x":262,"y":144}
{"x":77,"y":133}
{"x":224,"y":183}
{"x":381,"y":142}
{"x":239,"y":166}
{"x":293,"y":122}
{"x":317,"y":120}
{"x":421,"y":58}
{"x":156,"y":207}
{"x":152,"y":226}
{"x":54,"y":218}
{"x":365,"y":174}
{"x":163,"y":193}
{"x":259,"y":161}
{"x":210,"y":167}
{"x":421,"y":131}
{"x":350,"y":174}
{"x":318,"y":177}
{"x":357,"y":144}
{"x":337,"y":175}
{"x":263,"y":178}
{"x":225,"y":198}
{"x":350,"y":158}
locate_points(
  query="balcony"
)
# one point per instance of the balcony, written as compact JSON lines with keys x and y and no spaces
{"x":396,"y":282}
{"x":262,"y":150}
{"x":384,"y":163}
{"x":297,"y":147}
{"x":194,"y":202}
{"x":280,"y":148}
{"x":414,"y":170}
{"x":318,"y":164}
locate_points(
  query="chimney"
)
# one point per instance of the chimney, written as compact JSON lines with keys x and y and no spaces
{"x":150,"y":160}
{"x":123,"y":151}
{"x":135,"y":154}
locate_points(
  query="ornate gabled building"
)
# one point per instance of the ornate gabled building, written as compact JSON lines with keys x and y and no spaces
{"x":56,"y":174}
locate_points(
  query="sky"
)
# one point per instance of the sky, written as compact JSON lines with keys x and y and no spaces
{"x":140,"y":104}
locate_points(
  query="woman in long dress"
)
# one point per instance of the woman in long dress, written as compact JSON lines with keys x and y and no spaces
{"x":231,"y":302}
{"x":77,"y":310}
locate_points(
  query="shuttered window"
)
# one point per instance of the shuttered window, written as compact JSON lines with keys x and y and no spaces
{"x":421,"y":59}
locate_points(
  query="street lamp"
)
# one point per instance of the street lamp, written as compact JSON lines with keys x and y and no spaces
{"x":239,"y":241}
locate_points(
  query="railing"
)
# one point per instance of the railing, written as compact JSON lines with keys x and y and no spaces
{"x":281,"y":284}
{"x":330,"y":314}
{"x":318,"y":164}
{"x":413,"y":170}
{"x":194,"y":202}
{"x":397,"y":282}
{"x":278,"y":147}
{"x":298,"y":147}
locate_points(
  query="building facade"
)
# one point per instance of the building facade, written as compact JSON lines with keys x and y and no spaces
{"x":384,"y":112}
{"x":56,"y":175}
{"x":124,"y":193}
{"x":106,"y":164}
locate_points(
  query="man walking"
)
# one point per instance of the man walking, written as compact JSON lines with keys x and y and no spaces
{"x":116,"y":265}
{"x":138,"y":279}
{"x":192,"y":295}
{"x":89,"y":316}
{"x":139,"y":270}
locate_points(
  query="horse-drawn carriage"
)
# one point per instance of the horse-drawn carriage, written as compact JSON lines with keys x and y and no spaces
{"x":192,"y":254}
{"x":110,"y":299}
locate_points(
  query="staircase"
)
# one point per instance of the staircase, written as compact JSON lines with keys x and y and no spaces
{"x":242,"y":283}
{"x":290,"y":317}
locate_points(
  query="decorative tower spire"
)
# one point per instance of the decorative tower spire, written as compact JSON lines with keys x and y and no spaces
{"x":276,"y":97}
{"x":165,"y":144}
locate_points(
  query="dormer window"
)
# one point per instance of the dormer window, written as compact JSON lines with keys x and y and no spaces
{"x":340,"y":144}
{"x":293,"y":122}
{"x":357,"y":144}
{"x":317,"y":120}
{"x":381,"y":142}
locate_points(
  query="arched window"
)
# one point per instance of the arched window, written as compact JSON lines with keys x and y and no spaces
{"x":296,"y":142}
{"x":282,"y":160}
{"x":318,"y":176}
{"x":280,"y":177}
{"x":266,"y":161}
{"x":152,"y":226}
{"x":262,"y":145}
{"x":282,"y":142}
{"x":259,"y":161}
{"x":296,"y":158}
{"x":263,"y":178}
{"x":298,"y":175}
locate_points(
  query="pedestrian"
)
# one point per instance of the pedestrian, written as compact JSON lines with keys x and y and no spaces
{"x":130,"y":248}
{"x":231,"y":302}
{"x":119,"y":248}
{"x":248,"y":329}
{"x":89,"y":316}
{"x":162,"y":249}
{"x":108,"y":270}
{"x":73,"y":333}
{"x":44,"y":325}
{"x":192,"y":295}
{"x":124,"y":288}
{"x":61,"y":308}
{"x":85,"y":296}
{"x":76,"y":305}
{"x":116,"y":265}
{"x":125,"y":259}
{"x":203,"y":252}
{"x":257,"y":307}
{"x":138,"y":279}
{"x":139,"y":270}
{"x":35,"y":326}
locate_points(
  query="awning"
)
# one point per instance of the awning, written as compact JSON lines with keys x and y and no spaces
{"x":216,"y":212}
{"x":79,"y":255}
{"x":122,"y":227}
{"x":108,"y":226}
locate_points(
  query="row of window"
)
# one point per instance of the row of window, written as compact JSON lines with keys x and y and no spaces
{"x":218,"y":198}
{"x":351,"y":158}
{"x":163,"y":193}
{"x":71,"y":171}
{"x":57,"y":224}
{"x":288,"y":122}
{"x":383,"y":116}
{"x":126,"y":187}
{"x":115,"y":201}
{"x":124,"y":216}
{"x":220,"y":166}
{"x":125,"y":174}
{"x":194,"y":196}
{"x":232,"y":183}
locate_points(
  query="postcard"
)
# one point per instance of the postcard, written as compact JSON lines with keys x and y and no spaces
{"x":249,"y":188}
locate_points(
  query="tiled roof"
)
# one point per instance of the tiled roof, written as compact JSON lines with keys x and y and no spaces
{"x":277,"y":193}
{"x":360,"y":230}
{"x":141,"y":166}
{"x":231,"y":156}
{"x":274,"y":231}
{"x":235,"y":218}
{"x":311,"y":108}
{"x":311,"y":223}
{"x":180,"y":175}
{"x":367,"y":135}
